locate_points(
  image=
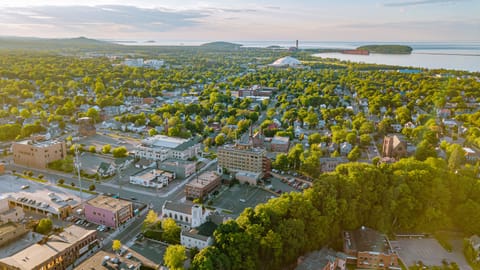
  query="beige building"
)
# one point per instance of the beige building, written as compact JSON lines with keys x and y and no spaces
{"x":10,"y":232}
{"x":38,"y":154}
{"x":202,"y":185}
{"x":394,"y":147}
{"x":241,"y":158}
{"x":54,"y":251}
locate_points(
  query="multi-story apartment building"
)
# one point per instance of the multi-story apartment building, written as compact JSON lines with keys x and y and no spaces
{"x":38,"y":154}
{"x":241,"y":158}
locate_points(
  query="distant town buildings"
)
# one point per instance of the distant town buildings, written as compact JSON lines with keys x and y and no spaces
{"x":368,"y":248}
{"x":139,"y":62}
{"x":161,"y":147}
{"x":108,"y":211}
{"x":37,"y":154}
{"x":57,"y":251}
{"x":202,"y":185}
{"x":393,"y":147}
{"x":280,"y":144}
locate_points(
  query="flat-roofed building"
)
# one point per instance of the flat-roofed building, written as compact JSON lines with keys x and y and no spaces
{"x":152,"y":178}
{"x":57,"y":251}
{"x":181,"y":168}
{"x":202,"y":185}
{"x":106,"y":260}
{"x":108,"y":211}
{"x":161,"y":147}
{"x":38,"y":154}
{"x":368,"y":248}
{"x":241,"y":158}
{"x":280,"y":144}
{"x":11,"y":231}
{"x":248,"y":177}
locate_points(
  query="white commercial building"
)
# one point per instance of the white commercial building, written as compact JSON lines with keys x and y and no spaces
{"x":152,"y":178}
{"x":161,"y":147}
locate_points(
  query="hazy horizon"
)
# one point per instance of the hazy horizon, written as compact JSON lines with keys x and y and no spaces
{"x":250,"y":20}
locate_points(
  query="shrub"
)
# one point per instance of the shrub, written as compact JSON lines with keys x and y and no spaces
{"x":61,"y":181}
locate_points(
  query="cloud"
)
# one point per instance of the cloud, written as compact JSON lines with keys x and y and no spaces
{"x":128,"y":18}
{"x":419,"y":2}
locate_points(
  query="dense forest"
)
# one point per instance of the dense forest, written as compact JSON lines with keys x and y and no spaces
{"x":408,"y":196}
{"x":387,"y":49}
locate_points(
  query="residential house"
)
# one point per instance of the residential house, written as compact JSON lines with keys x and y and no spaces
{"x":470,"y":154}
{"x":329,"y":164}
{"x":345,"y":148}
{"x":106,"y":169}
{"x":475,"y":243}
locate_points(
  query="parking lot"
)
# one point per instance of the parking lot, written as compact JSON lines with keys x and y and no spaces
{"x":239,"y":197}
{"x":429,"y":251}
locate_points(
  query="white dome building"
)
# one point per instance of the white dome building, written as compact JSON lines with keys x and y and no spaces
{"x":286,"y":61}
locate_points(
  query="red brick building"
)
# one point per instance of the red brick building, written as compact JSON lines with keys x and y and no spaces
{"x":370,"y":249}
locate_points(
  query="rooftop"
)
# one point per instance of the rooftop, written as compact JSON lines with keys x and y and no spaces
{"x":163,"y":141}
{"x":178,"y":207}
{"x":177,"y":162}
{"x":105,"y":202}
{"x":204,"y":179}
{"x":37,"y":254}
{"x":365,"y":239}
{"x":317,"y":259}
{"x":46,"y":197}
{"x":98,"y":259}
{"x":280,"y":140}
{"x":39,"y":143}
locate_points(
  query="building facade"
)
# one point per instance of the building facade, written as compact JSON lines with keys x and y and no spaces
{"x":86,"y":127}
{"x":181,"y":168}
{"x":393,"y":147}
{"x":238,"y":158}
{"x":160,"y":148}
{"x":38,"y":154}
{"x":186,"y":215}
{"x":202,"y":185}
{"x":108,"y":211}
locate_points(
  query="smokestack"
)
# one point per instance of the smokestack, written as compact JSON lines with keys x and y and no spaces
{"x":296,"y":44}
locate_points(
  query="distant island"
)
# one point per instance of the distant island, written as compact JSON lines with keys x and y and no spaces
{"x":386,"y":49}
{"x":221,"y":45}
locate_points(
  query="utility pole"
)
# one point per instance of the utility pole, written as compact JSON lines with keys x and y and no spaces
{"x":77,"y":166}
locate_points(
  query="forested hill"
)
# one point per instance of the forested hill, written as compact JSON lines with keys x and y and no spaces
{"x":221,"y":45}
{"x":387,"y":49}
{"x":50,"y":44}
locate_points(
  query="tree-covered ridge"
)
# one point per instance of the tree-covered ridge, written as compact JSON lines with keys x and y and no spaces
{"x":387,"y":49}
{"x":408,"y":196}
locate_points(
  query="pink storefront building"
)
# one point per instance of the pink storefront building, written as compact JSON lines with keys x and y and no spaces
{"x":108,"y":211}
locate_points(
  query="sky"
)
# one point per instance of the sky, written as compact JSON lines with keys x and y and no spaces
{"x":245,"y":20}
